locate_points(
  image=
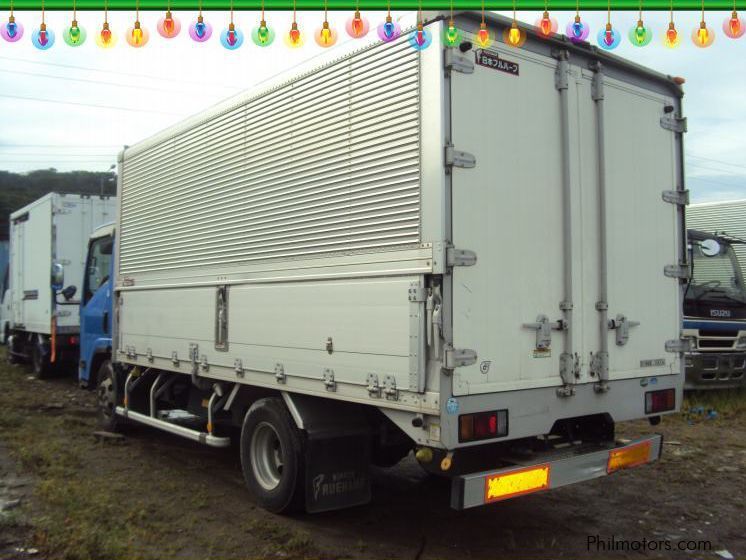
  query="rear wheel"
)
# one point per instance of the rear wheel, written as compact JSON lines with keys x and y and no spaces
{"x":40,"y":359}
{"x":108,"y":397}
{"x":271,"y":457}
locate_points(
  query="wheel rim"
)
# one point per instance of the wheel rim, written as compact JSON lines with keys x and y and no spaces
{"x":106,"y":401}
{"x":266,"y":456}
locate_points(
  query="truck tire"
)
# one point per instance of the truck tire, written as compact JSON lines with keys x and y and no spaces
{"x":40,"y":360}
{"x":108,"y":398}
{"x":10,"y":355}
{"x":272,"y":457}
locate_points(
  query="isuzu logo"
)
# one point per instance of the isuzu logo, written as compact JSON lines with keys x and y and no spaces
{"x":719,"y":312}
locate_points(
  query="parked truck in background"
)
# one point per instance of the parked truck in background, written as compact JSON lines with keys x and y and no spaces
{"x":396,"y":252}
{"x":47,"y":251}
{"x":715,"y":313}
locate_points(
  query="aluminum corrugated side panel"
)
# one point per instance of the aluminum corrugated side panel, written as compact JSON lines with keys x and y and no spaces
{"x":326,"y":164}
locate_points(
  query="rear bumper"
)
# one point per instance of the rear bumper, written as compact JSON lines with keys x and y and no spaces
{"x":715,"y":370}
{"x":471,"y":490}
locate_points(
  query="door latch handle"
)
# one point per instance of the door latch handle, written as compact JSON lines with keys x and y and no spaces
{"x":544,"y":327}
{"x":622,"y":325}
{"x":105,"y":323}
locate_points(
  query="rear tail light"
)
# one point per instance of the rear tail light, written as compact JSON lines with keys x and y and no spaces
{"x":73,"y":340}
{"x":660,"y":401}
{"x":482,"y":425}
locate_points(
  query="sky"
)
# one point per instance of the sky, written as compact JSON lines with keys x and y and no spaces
{"x":74,"y":108}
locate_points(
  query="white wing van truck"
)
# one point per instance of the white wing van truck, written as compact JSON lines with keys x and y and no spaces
{"x":474,"y":254}
{"x":48,"y":241}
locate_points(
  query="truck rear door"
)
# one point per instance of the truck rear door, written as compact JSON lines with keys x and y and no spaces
{"x":508,"y":209}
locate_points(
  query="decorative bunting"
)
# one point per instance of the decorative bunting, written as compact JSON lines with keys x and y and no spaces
{"x":168,"y":26}
{"x":262,"y":35}
{"x":357,"y":27}
{"x":608,"y":37}
{"x":200,"y":30}
{"x":42,"y":38}
{"x":11,"y":31}
{"x":137,"y":36}
{"x":703,"y":36}
{"x":577,"y":30}
{"x":231,"y":37}
{"x":325,"y":36}
{"x":389,"y":29}
{"x":640,"y":35}
{"x":74,"y":35}
{"x":105,"y":38}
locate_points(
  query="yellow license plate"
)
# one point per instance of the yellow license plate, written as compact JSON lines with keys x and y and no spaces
{"x":628,"y":457}
{"x":515,"y":483}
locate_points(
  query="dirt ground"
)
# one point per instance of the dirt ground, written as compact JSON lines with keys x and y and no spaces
{"x":66,"y":494}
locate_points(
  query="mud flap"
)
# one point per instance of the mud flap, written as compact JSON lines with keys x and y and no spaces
{"x":337,"y":470}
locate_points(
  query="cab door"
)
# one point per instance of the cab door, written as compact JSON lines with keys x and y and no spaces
{"x":95,"y":308}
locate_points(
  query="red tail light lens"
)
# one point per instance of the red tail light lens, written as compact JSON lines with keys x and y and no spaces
{"x":660,"y":401}
{"x":73,"y":340}
{"x":482,"y":425}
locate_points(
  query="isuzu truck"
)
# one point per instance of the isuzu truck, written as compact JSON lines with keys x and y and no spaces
{"x":475,"y":254}
{"x":47,"y":252}
{"x":715,"y":313}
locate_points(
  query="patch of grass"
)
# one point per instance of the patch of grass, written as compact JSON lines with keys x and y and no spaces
{"x":9,"y":520}
{"x":727,"y":403}
{"x":96,"y":501}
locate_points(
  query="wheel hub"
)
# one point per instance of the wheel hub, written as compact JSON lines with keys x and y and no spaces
{"x":266,"y":456}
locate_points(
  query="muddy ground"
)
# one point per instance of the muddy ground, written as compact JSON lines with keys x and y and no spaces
{"x":65,"y":493}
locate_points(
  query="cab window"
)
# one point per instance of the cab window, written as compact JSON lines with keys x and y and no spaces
{"x":98,"y":265}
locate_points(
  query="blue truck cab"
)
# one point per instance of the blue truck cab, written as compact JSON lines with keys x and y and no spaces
{"x":96,"y":305}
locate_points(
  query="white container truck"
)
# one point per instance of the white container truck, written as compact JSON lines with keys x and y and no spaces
{"x":48,"y":241}
{"x":475,"y":254}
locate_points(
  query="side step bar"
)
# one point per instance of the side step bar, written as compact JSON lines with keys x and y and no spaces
{"x":195,"y":435}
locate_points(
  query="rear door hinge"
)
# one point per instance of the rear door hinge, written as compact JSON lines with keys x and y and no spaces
{"x":460,"y":257}
{"x":599,"y":365}
{"x":676,"y":124}
{"x":454,"y":61}
{"x":622,"y":325}
{"x":417,"y":293}
{"x":569,"y":369}
{"x":681,"y":271}
{"x":680,"y":345}
{"x":457,"y":158}
{"x":459,"y":357}
{"x":680,"y":198}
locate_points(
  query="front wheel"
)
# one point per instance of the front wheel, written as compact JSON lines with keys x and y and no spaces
{"x":108,"y":398}
{"x":272,"y":457}
{"x":40,"y":359}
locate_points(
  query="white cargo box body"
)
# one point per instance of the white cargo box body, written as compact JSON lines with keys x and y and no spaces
{"x":52,"y":229}
{"x":328,"y":236}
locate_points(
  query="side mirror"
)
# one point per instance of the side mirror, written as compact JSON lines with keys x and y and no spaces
{"x":69,"y":292}
{"x":710,"y":247}
{"x":58,"y":276}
